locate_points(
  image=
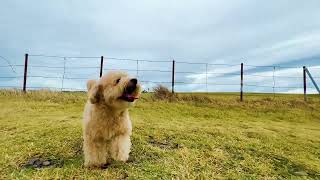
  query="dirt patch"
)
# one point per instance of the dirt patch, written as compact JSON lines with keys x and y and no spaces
{"x":255,"y":135}
{"x":124,"y":176}
{"x":77,"y":148}
{"x":285,"y":166}
{"x":293,"y":167}
{"x":42,"y":161}
{"x":166,"y":144}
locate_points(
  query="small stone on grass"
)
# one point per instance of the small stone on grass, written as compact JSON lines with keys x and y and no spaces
{"x":300,"y":173}
{"x":37,"y":163}
{"x":46,"y":163}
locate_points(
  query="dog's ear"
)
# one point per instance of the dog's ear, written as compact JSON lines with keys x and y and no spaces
{"x":94,"y":91}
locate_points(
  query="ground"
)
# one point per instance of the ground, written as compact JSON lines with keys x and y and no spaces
{"x":201,"y":136}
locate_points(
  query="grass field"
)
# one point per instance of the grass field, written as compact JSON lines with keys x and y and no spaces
{"x":195,"y":137}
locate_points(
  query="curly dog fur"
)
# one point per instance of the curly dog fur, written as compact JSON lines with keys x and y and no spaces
{"x":106,"y":123}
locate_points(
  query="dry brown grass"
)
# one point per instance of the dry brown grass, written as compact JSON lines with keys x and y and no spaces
{"x":195,"y":98}
{"x":162,"y":93}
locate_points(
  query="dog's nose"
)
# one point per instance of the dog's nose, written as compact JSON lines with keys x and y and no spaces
{"x":132,"y":85}
{"x":134,"y":81}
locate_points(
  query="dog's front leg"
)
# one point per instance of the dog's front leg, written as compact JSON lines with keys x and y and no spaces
{"x":120,"y":147}
{"x":94,"y":153}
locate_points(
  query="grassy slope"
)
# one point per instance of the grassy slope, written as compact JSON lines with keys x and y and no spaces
{"x":261,"y":138}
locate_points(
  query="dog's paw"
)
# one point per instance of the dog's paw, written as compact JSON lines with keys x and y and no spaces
{"x":97,"y":166}
{"x":105,"y":166}
{"x":130,"y":159}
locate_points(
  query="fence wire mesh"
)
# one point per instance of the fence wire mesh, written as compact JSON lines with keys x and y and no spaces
{"x":61,"y":73}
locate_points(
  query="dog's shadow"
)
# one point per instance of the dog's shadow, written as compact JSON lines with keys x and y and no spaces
{"x":73,"y":157}
{"x":74,"y":154}
{"x":39,"y":160}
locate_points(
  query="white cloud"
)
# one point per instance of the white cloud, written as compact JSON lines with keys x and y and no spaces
{"x":300,"y":91}
{"x":210,"y":31}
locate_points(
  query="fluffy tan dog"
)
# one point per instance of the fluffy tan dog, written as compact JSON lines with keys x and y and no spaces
{"x":106,"y":123}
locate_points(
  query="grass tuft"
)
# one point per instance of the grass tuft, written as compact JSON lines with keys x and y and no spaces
{"x":161,"y":92}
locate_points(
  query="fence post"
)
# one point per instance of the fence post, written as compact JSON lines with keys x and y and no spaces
{"x":137,"y":68}
{"x":101,"y":66}
{"x":25,"y":72}
{"x":241,"y":84}
{"x":304,"y":83}
{"x":64,"y":72}
{"x":207,"y":77}
{"x":172,"y":88}
{"x":312,"y":80}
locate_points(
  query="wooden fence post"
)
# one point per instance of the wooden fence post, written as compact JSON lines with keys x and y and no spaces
{"x":172,"y":87}
{"x":101,"y":66}
{"x":241,"y":84}
{"x":304,"y":83}
{"x":25,"y":72}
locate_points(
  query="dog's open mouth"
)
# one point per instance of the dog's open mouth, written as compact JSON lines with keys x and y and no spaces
{"x":128,"y":91}
{"x":128,"y":97}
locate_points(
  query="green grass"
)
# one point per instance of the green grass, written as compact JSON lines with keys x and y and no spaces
{"x":202,"y":136}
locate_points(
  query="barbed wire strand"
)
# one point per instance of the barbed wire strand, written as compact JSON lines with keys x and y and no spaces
{"x":146,"y":70}
{"x":152,"y":60}
{"x":8,"y":62}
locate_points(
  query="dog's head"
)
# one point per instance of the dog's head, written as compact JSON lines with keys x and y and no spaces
{"x":115,"y":89}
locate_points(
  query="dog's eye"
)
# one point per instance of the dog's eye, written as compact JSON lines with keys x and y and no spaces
{"x":117,"y":81}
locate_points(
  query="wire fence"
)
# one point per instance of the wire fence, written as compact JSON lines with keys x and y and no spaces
{"x":63,"y":73}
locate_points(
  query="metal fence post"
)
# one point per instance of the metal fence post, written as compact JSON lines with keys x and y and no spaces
{"x":274,"y":82}
{"x":172,"y":88}
{"x":241,"y":83}
{"x":207,"y":77}
{"x":312,"y":80}
{"x":25,"y":72}
{"x":137,"y":68}
{"x":64,"y":72}
{"x":101,"y":66}
{"x":304,"y":83}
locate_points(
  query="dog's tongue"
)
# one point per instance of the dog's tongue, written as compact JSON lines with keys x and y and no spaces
{"x":128,"y":97}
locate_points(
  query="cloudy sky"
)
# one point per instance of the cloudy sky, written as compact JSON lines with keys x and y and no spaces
{"x":218,"y":35}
